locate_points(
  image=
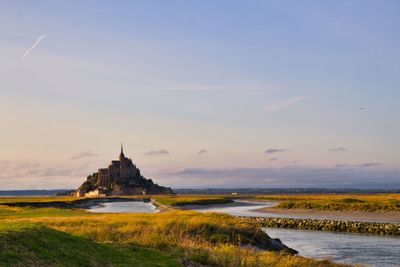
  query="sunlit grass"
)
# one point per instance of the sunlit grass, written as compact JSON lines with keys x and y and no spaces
{"x":208,"y":238}
{"x":192,"y":200}
{"x":36,"y":199}
{"x":28,"y":244}
{"x":384,"y":202}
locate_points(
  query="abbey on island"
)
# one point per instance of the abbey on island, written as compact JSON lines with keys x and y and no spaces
{"x":121,"y":177}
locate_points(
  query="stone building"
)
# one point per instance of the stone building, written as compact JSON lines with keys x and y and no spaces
{"x":95,"y":193}
{"x":121,"y":177}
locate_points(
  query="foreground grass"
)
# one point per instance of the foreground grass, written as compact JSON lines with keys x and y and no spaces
{"x":63,"y":237}
{"x":25,"y":244}
{"x":371,"y":203}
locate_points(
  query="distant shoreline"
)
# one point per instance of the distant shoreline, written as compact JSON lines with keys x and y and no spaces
{"x":225,"y":191}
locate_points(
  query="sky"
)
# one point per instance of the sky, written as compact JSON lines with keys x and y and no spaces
{"x":202,"y":93}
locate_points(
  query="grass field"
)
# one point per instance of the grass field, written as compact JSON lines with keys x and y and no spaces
{"x":192,"y":200}
{"x":371,"y":203}
{"x":48,"y":236}
{"x":27,"y":244}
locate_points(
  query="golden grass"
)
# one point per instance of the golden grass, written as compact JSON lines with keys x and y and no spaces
{"x":36,"y":199}
{"x":349,"y":202}
{"x":209,"y":238}
{"x":192,"y":200}
{"x":206,"y":238}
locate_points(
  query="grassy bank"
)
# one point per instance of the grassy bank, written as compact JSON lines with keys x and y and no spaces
{"x":192,"y":200}
{"x":63,"y":237}
{"x":370,"y":203}
{"x":27,"y":244}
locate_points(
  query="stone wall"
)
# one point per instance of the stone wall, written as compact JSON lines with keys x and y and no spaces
{"x":328,"y":225}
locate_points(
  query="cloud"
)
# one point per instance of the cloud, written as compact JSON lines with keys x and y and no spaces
{"x":202,"y":151}
{"x":157,"y":152}
{"x":338,"y":149}
{"x":213,"y":88}
{"x":283,"y":104}
{"x":36,"y":175}
{"x":15,"y":169}
{"x":84,"y":154}
{"x":274,"y":150}
{"x":341,"y":165}
{"x":34,"y":45}
{"x":273,"y":159}
{"x":363,"y":165}
{"x":288,"y":176}
{"x":369,"y":164}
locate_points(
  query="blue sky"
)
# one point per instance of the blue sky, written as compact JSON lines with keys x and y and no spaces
{"x":274,"y":93}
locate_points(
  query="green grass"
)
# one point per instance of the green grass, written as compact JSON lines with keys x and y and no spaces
{"x":36,"y":199}
{"x":191,"y":200}
{"x":29,"y":212}
{"x":370,"y":203}
{"x":27,"y":244}
{"x":63,"y":237}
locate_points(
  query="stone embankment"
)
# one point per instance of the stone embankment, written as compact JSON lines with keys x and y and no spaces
{"x":328,"y":225}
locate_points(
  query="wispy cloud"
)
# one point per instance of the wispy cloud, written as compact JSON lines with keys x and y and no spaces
{"x":288,"y":176}
{"x":370,"y":164}
{"x":283,"y":104}
{"x":34,"y":45}
{"x":31,"y":175}
{"x":274,"y":150}
{"x":84,"y":154}
{"x":362,"y":165}
{"x":341,"y":165}
{"x":273,"y":159}
{"x":338,"y":149}
{"x":157,"y":152}
{"x":202,"y":151}
{"x":212,"y":88}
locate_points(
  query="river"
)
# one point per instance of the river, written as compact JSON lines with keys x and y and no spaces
{"x":124,"y":207}
{"x":370,"y":250}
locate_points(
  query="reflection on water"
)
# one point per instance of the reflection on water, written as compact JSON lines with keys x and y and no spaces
{"x":371,"y":250}
{"x":124,"y":207}
{"x":238,"y":208}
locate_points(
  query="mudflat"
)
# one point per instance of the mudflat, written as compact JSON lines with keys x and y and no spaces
{"x":365,"y":216}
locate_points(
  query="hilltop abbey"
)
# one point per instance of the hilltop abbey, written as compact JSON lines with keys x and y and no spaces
{"x":121,"y":177}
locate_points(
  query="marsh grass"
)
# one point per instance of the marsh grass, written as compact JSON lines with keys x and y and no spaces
{"x":192,"y":200}
{"x":370,"y":203}
{"x":27,"y":244}
{"x":63,"y":237}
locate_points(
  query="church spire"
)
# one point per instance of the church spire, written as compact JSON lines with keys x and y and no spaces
{"x":121,"y":155}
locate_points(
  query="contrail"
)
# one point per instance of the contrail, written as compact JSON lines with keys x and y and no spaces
{"x":280,"y":105}
{"x":34,"y":45}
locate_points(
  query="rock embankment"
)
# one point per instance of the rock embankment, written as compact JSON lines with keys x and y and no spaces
{"x":328,"y":225}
